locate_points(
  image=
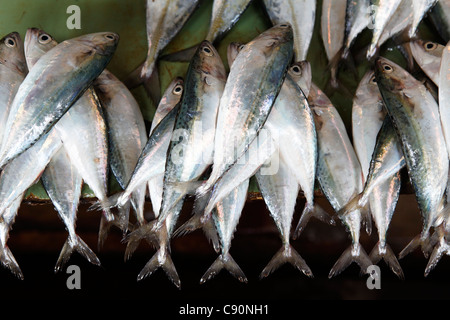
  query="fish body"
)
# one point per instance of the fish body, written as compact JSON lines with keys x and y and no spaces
{"x":440,"y":17}
{"x":301,"y":15}
{"x":56,"y":81}
{"x":415,"y":115}
{"x":356,"y":20}
{"x":420,"y":9}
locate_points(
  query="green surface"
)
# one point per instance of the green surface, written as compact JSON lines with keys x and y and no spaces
{"x":127,"y":18}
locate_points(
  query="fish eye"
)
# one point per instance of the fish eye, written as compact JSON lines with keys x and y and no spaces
{"x":430,"y":46}
{"x":387,"y":68}
{"x":207,"y":50}
{"x":284,"y":25}
{"x":10,"y":42}
{"x":178,"y":89}
{"x":373,"y":80}
{"x":44,"y":38}
{"x":110,"y":36}
{"x":296,"y":69}
{"x":241,"y":47}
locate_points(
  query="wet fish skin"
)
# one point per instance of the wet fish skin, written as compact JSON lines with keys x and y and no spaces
{"x":65,"y":72}
{"x":164,"y":19}
{"x":246,"y":103}
{"x":415,"y":116}
{"x":356,"y":20}
{"x":13,"y":70}
{"x":301,"y":15}
{"x":420,"y":9}
{"x":440,"y":17}
{"x":428,"y":56}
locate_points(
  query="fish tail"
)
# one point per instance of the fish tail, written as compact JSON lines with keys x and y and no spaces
{"x":161,"y":259}
{"x":286,"y":254}
{"x":108,"y":220}
{"x":352,"y":205}
{"x":439,"y":250}
{"x":133,"y":239}
{"x":115,"y":200}
{"x":224,"y":261}
{"x":7,"y":259}
{"x":354,"y":253}
{"x":410,"y":247}
{"x":384,"y":251}
{"x":312,"y":210}
{"x":333,"y":67}
{"x":75,"y":244}
{"x":184,"y":55}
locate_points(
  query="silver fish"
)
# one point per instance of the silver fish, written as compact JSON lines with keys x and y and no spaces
{"x":65,"y":72}
{"x":253,"y":83}
{"x":428,"y":56}
{"x":420,"y":9}
{"x":165,"y":19}
{"x":356,"y":20}
{"x":415,"y":115}
{"x":368,"y":115}
{"x":170,"y":99}
{"x":127,"y":135}
{"x":301,"y":15}
{"x":381,"y":12}
{"x":13,"y":70}
{"x":339,"y":174}
{"x":444,"y":93}
{"x":440,"y":17}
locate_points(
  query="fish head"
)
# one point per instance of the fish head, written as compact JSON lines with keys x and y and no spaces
{"x":208,"y":63}
{"x":11,"y":52}
{"x":300,"y":72}
{"x":277,"y":36}
{"x":37,"y":42}
{"x":102,"y":43}
{"x":391,"y":76}
{"x":423,"y":49}
{"x":171,"y":96}
{"x":233,"y":50}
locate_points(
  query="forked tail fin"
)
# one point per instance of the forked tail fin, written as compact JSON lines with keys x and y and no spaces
{"x":78,"y":245}
{"x":312,"y":211}
{"x":441,"y":248}
{"x":7,"y":259}
{"x":287,"y":254}
{"x":354,"y":253}
{"x":224,"y":261}
{"x":384,"y":251}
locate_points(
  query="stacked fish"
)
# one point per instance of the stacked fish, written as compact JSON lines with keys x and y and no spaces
{"x":67,"y":121}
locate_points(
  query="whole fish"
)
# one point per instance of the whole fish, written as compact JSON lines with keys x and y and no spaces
{"x":164,"y":21}
{"x":253,"y":83}
{"x":368,"y":115}
{"x":301,"y":15}
{"x":415,"y":115}
{"x":339,"y":174}
{"x":428,"y":56}
{"x":356,"y":20}
{"x":226,"y":218}
{"x":440,"y":17}
{"x":280,"y":191}
{"x":57,"y":80}
{"x":170,"y":99}
{"x":191,"y":147}
{"x":127,"y":135}
{"x":332,"y":30}
{"x":82,"y":128}
{"x":13,"y":70}
{"x":63,"y":186}
{"x":420,"y":9}
{"x":381,"y":12}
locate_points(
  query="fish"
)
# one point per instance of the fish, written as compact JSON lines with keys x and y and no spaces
{"x":381,"y":12}
{"x":82,"y":129}
{"x":420,"y":9}
{"x":63,"y":183}
{"x":170,"y":99}
{"x":301,"y":15}
{"x":253,"y":83}
{"x":440,"y":16}
{"x":190,"y":150}
{"x":339,"y":175}
{"x":65,"y":72}
{"x":368,"y":117}
{"x":428,"y":56}
{"x":127,"y":136}
{"x":332,"y":31}
{"x":164,"y":20}
{"x":13,"y":70}
{"x":356,"y":20}
{"x":444,"y":91}
{"x":415,"y":115}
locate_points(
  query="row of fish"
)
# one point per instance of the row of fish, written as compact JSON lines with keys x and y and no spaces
{"x":68,"y":120}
